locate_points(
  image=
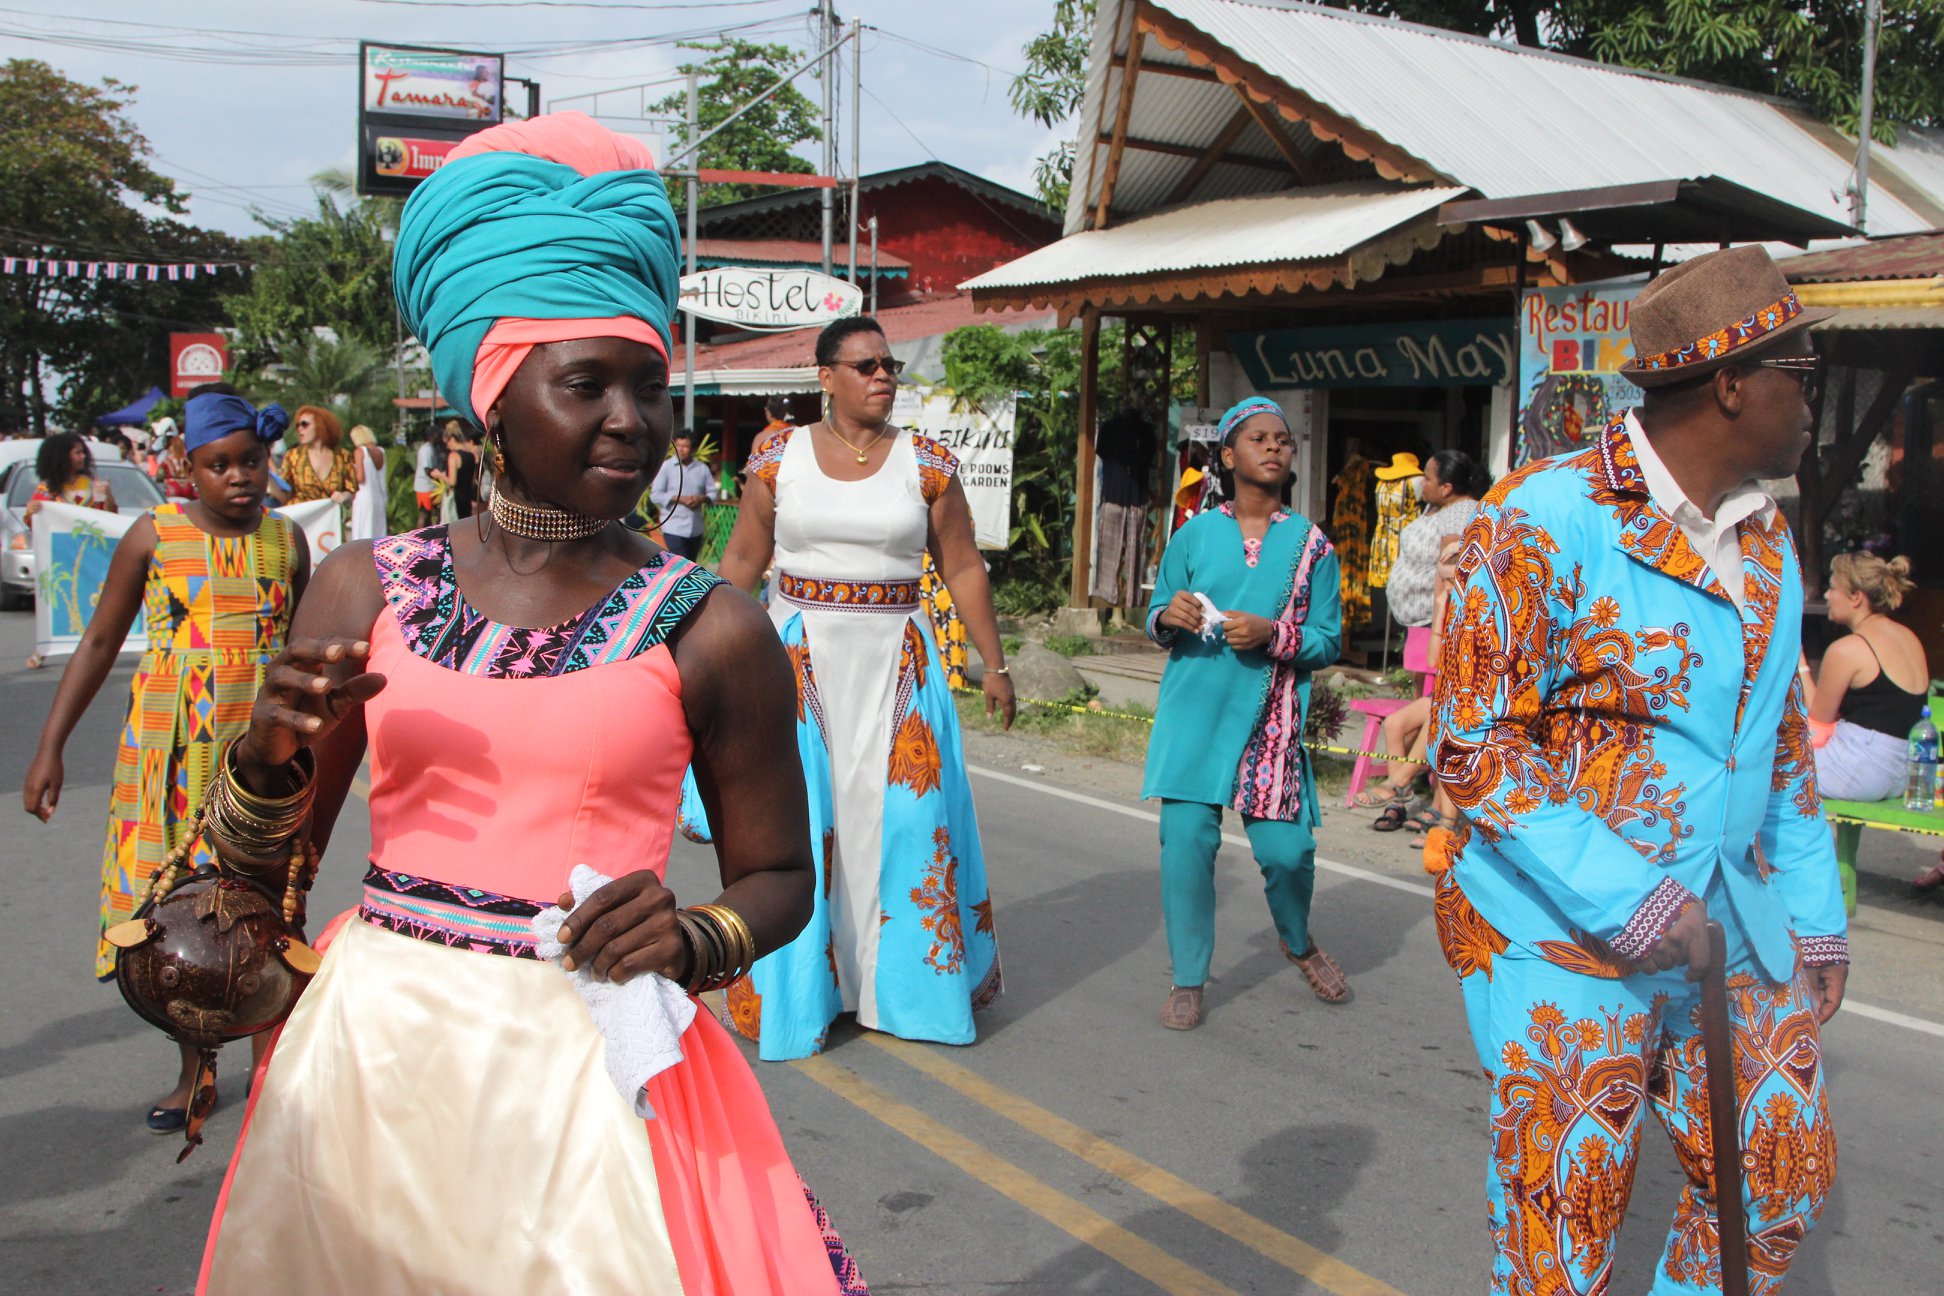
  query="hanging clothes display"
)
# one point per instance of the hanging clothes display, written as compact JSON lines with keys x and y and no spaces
{"x":1397,"y":508}
{"x":1125,"y":446}
{"x":1350,"y":533}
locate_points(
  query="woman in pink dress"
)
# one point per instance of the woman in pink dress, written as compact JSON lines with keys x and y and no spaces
{"x":437,"y":1114}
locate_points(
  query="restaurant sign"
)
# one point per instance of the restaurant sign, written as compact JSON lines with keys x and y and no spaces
{"x":403,"y":80}
{"x":415,"y":105}
{"x":766,"y":300}
{"x":1440,"y":353}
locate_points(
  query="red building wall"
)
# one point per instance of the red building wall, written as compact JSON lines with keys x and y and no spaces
{"x":948,"y":233}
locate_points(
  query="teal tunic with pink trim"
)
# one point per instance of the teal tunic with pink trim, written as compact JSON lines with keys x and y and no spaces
{"x":1228,"y":727}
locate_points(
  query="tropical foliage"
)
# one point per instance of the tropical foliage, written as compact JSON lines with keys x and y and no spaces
{"x":762,"y":139}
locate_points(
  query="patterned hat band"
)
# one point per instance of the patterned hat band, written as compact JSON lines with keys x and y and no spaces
{"x":1722,"y":341}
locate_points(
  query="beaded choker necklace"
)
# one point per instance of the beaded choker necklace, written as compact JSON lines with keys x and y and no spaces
{"x":530,"y":523}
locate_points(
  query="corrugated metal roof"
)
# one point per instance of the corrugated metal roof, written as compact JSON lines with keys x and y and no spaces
{"x":1905,"y":256}
{"x":1260,"y":229}
{"x":797,"y":253}
{"x":1884,"y":317}
{"x":1495,"y":118}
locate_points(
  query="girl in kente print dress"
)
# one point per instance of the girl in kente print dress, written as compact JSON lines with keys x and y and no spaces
{"x":218,"y":577}
{"x":1228,"y":726}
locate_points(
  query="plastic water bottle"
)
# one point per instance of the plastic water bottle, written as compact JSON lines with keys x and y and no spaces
{"x":1920,"y":773}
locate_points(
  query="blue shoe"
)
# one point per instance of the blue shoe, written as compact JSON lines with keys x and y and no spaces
{"x":167,"y":1120}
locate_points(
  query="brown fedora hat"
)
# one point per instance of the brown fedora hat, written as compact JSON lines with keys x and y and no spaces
{"x":1719,"y":307}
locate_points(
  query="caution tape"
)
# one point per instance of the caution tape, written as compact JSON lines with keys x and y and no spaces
{"x":1354,"y":753}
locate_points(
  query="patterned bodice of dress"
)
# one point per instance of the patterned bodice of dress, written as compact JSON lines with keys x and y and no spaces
{"x":224,"y":597}
{"x":502,"y":756}
{"x":873,"y":529}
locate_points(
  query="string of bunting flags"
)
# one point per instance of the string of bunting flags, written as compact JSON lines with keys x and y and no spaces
{"x":147,"y":271}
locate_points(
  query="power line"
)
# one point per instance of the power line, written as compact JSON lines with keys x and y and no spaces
{"x":572,"y":4}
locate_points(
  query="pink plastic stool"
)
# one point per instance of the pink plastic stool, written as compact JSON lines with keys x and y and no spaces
{"x":1374,"y":712}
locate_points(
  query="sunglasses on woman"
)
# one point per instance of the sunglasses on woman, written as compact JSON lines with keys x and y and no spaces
{"x":869,"y":367}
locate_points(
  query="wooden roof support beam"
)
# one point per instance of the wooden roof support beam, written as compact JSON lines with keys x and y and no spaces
{"x":1130,"y":72}
{"x":1190,"y":151}
{"x":1359,"y":143}
{"x":1206,"y":162}
{"x":1178,"y":70}
{"x":1271,"y":123}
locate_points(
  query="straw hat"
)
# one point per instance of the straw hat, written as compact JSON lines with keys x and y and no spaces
{"x":1401,"y":466}
{"x":1717,"y":308}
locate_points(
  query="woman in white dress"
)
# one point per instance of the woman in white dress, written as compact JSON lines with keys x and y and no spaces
{"x":369,"y":504}
{"x":845,"y":510}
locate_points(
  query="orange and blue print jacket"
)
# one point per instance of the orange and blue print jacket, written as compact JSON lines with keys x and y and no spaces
{"x":1617,"y":736}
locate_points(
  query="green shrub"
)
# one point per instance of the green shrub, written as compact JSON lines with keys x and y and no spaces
{"x":1071,"y":645}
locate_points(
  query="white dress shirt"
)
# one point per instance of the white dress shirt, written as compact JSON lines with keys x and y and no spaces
{"x":1715,"y":540}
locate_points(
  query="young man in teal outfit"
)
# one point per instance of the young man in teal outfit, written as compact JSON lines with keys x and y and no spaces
{"x":1620,"y":726}
{"x":1228,"y":727}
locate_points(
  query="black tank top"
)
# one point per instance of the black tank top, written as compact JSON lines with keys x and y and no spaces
{"x":1880,"y":705}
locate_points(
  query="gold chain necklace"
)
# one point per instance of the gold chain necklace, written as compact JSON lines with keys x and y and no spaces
{"x":531,"y":523}
{"x":864,"y":455}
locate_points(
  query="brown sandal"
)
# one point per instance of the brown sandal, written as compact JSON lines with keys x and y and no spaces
{"x":1183,"y":1008}
{"x":1321,"y":971}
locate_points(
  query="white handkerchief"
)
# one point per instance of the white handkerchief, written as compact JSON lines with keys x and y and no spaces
{"x":642,"y":1019}
{"x":1211,"y":617}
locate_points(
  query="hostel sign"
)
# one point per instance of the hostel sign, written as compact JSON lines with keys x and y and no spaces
{"x":1441,"y":353}
{"x":769,"y":299}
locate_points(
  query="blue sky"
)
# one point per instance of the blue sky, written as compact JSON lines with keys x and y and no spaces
{"x":264,"y":94}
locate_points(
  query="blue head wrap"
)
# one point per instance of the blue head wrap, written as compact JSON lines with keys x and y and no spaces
{"x":1245,"y":409}
{"x":211,"y":416}
{"x":508,"y":235}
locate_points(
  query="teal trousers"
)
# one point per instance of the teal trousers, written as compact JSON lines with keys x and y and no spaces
{"x":1191,"y":835}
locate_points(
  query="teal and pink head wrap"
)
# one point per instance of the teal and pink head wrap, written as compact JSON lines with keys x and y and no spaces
{"x":1244,"y":410}
{"x":535,"y":231}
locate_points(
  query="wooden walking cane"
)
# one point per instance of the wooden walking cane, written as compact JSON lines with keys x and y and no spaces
{"x":1724,"y":1116}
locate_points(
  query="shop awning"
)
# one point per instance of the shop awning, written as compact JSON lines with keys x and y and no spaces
{"x":135,"y":413}
{"x":1329,"y":236}
{"x":746,"y":382}
{"x":1707,"y":210}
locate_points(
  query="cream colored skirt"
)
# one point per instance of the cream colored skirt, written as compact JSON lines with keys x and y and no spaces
{"x":397,"y":1145}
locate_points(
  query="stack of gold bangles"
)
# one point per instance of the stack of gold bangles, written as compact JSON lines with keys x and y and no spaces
{"x":249,"y":833}
{"x":721,"y":946}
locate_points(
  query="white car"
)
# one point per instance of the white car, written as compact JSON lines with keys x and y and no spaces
{"x":135,"y":495}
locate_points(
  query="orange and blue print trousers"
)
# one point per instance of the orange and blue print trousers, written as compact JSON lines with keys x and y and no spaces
{"x":1576,"y":1062}
{"x":1191,"y":836}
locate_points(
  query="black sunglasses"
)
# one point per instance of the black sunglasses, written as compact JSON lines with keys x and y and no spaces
{"x":869,"y":367}
{"x":1809,"y":367}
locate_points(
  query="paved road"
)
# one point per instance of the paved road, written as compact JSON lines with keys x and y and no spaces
{"x":1286,"y":1147}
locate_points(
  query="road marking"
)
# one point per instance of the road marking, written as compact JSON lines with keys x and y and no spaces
{"x":1904,"y":1020}
{"x":1287,"y":1250}
{"x":1889,"y":1017}
{"x":1233,"y":839}
{"x":1078,"y":1220}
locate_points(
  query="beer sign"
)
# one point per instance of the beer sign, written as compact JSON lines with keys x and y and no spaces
{"x":769,"y":300}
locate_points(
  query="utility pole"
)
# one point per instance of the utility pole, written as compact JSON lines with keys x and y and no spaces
{"x":857,"y":135}
{"x":694,"y":182}
{"x":827,"y":199}
{"x":1860,"y":197}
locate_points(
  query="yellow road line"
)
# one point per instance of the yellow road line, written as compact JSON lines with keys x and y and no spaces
{"x":1072,"y":1217}
{"x":1287,"y":1250}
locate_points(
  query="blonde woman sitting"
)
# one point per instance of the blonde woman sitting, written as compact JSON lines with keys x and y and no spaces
{"x":1873,"y":684}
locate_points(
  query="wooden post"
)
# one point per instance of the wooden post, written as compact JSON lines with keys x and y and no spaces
{"x":1130,"y":69}
{"x":1080,"y":587}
